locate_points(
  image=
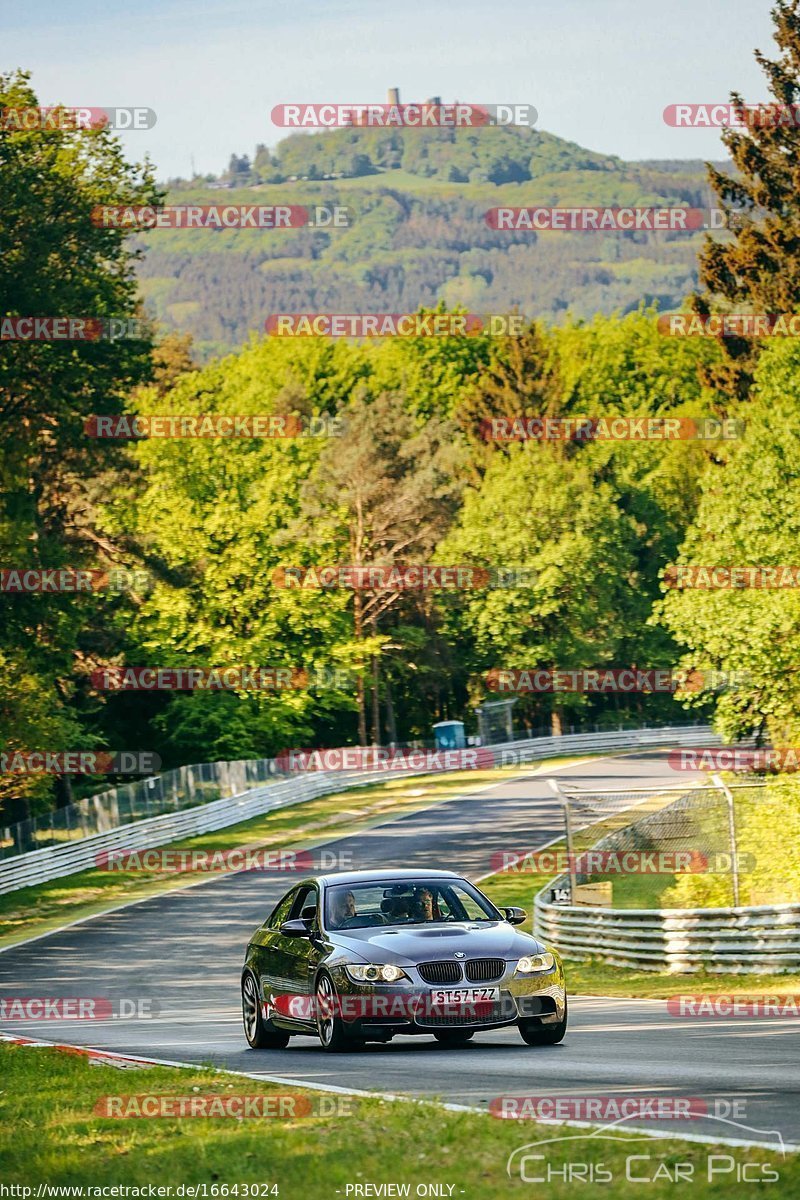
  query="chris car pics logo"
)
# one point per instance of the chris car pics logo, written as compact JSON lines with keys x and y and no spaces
{"x":595,"y":1157}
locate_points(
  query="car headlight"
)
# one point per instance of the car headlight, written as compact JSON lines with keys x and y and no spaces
{"x":532,"y":963}
{"x":373,"y":973}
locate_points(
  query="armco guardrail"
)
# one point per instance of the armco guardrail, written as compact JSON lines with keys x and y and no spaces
{"x":761,"y":940}
{"x":55,"y":862}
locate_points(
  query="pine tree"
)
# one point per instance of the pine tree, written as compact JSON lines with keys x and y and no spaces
{"x":758,"y":267}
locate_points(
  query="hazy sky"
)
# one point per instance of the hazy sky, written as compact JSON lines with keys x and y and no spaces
{"x":600,"y":72}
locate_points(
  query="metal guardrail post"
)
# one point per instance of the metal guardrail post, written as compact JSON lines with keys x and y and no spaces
{"x":728,"y":794}
{"x":555,"y":787}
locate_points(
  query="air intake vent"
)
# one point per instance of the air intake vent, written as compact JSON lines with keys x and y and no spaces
{"x":440,"y":972}
{"x":480,"y":970}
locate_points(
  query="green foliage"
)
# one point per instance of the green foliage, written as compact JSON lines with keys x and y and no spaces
{"x":539,"y":511}
{"x":768,"y":835}
{"x":749,"y":515}
{"x":507,"y":154}
{"x":55,"y":262}
{"x":757,"y":268}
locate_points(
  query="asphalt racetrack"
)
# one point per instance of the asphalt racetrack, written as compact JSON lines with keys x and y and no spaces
{"x":182,"y":953}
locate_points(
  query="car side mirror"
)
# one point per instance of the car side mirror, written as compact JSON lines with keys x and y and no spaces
{"x":298,"y":928}
{"x":515,"y":916}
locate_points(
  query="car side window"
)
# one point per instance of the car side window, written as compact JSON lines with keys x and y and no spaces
{"x":305,"y":899}
{"x":281,"y":911}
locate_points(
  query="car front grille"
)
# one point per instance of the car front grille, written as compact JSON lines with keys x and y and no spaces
{"x":440,"y":972}
{"x":480,"y":970}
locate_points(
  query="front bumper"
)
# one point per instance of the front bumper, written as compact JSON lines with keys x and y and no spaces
{"x":408,"y":1006}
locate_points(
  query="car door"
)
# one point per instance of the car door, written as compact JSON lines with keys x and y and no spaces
{"x":304,"y":954}
{"x":273,"y":966}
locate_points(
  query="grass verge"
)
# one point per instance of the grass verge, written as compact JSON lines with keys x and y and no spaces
{"x":51,"y":1134}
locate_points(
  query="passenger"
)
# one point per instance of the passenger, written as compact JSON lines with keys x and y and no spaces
{"x":400,"y":909}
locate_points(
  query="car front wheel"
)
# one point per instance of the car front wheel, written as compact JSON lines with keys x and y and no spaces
{"x":330,"y":1027}
{"x":544,"y":1035}
{"x":261,"y":1034}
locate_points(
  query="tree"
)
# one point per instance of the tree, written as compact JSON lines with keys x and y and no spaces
{"x":212,"y":517}
{"x":520,"y":379}
{"x":758,"y":267}
{"x":55,"y":262}
{"x":540,"y":512}
{"x":384,"y":498}
{"x":749,"y":515}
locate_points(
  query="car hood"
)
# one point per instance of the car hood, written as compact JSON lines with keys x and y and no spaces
{"x":424,"y":943}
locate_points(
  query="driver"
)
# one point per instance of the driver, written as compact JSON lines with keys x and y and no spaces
{"x":344,"y":907}
{"x":423,"y":905}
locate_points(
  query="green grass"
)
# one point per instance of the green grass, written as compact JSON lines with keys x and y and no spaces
{"x":50,"y":1134}
{"x":46,"y":906}
{"x":599,"y":979}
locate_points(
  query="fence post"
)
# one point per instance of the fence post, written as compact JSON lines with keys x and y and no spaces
{"x":555,"y":787}
{"x":723,"y":787}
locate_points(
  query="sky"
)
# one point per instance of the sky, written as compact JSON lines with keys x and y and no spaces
{"x":599,"y":72}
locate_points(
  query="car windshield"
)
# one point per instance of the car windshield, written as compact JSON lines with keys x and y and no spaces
{"x":406,"y":902}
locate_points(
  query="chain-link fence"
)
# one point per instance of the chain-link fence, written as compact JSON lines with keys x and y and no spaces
{"x":185,"y":787}
{"x":635,"y":848}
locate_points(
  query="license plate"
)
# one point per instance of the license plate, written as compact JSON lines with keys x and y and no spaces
{"x":473,"y":995}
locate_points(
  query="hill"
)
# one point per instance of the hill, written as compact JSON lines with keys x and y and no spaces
{"x":418,"y":236}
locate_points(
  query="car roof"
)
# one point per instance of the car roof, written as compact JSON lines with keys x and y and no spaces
{"x":390,"y":873}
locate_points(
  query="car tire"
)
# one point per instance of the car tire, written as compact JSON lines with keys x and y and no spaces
{"x":454,"y":1037}
{"x":261,"y":1034}
{"x":332,"y":1034}
{"x":534,"y":1034}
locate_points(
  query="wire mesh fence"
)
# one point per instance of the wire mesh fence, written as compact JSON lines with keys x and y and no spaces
{"x":184,"y":787}
{"x":661,"y":847}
